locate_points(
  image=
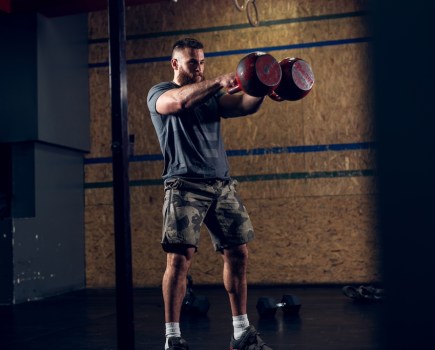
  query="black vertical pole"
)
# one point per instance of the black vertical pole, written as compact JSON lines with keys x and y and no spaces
{"x":121,"y":191}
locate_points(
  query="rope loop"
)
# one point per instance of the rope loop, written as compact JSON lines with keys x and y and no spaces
{"x":251,"y":11}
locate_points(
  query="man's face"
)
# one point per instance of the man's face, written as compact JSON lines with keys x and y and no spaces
{"x":190,"y":66}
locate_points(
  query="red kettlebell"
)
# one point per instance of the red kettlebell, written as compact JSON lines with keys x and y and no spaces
{"x":297,"y":80}
{"x":257,"y":74}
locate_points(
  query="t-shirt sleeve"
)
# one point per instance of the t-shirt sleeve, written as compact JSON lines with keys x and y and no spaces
{"x":155,"y":92}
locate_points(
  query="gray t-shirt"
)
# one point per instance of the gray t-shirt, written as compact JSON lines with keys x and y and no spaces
{"x":191,"y":142}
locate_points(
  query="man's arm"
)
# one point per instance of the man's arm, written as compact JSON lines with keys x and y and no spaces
{"x":239,"y":105}
{"x":175,"y":100}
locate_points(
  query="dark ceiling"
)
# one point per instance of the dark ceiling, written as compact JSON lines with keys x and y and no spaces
{"x":53,"y":8}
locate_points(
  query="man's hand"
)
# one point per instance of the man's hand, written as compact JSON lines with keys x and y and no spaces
{"x":228,"y":80}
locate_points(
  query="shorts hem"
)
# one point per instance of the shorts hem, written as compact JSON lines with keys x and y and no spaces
{"x":229,"y":246}
{"x":177,"y":247}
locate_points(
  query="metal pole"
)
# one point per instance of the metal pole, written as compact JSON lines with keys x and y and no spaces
{"x":121,"y":191}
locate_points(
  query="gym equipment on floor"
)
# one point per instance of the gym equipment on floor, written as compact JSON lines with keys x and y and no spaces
{"x":194,"y":305}
{"x":267,"y":306}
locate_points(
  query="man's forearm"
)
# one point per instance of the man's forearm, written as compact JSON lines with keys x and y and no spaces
{"x":190,"y":95}
{"x":194,"y":94}
{"x":239,"y":105}
{"x":251,"y":104}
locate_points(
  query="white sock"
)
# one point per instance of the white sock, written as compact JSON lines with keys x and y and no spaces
{"x":240,"y":324}
{"x":172,"y":330}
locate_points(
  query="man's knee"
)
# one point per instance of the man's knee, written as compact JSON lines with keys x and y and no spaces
{"x":238,"y":254}
{"x":180,"y":261}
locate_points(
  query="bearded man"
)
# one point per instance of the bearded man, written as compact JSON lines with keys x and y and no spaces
{"x":186,"y":113}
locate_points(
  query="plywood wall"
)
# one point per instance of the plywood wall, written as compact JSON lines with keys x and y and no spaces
{"x":306,"y":168}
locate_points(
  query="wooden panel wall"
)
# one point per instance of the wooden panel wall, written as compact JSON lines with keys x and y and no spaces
{"x":306,"y":168}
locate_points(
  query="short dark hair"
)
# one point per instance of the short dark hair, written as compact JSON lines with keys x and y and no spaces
{"x":190,"y":43}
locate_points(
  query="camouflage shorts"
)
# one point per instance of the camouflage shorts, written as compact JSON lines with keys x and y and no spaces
{"x":189,"y":204}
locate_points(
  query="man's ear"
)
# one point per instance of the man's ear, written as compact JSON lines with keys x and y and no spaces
{"x":174,"y":63}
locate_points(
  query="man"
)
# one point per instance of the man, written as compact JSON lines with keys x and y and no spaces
{"x":186,"y":114}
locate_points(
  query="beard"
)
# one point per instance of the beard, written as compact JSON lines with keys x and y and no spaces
{"x":188,"y":78}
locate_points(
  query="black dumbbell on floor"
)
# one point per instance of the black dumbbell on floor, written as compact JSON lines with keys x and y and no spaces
{"x":267,"y":306}
{"x":194,"y":305}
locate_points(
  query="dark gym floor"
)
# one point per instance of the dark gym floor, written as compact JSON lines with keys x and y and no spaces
{"x":86,"y":320}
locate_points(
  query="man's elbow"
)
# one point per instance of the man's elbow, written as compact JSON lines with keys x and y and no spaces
{"x":174,"y":107}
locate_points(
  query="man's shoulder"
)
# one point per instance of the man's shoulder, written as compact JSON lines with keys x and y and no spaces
{"x":164,"y":85}
{"x":157,"y":90}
